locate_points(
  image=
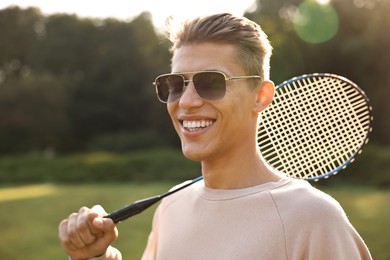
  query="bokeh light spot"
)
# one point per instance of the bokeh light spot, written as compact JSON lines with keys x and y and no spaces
{"x":315,"y":22}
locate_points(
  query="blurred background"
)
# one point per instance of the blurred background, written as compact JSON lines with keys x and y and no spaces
{"x":80,"y":123}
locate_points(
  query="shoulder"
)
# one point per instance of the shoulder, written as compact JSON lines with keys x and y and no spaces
{"x":300,"y":199}
{"x":307,"y":213}
{"x":181,"y":196}
{"x":315,"y":223}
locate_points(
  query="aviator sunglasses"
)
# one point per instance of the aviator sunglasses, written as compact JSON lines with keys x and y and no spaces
{"x":210,"y":85}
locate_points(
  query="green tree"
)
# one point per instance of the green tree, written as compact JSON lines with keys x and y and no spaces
{"x":20,"y":31}
{"x":32,"y":114}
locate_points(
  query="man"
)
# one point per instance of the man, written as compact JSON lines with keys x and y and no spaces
{"x":243,"y":209}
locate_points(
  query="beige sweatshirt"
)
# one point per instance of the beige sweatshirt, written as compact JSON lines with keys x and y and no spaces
{"x":288,"y":219}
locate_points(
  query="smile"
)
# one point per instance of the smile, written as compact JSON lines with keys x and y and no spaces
{"x":196,"y":125}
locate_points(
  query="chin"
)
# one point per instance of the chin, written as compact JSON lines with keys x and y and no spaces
{"x":193,"y":155}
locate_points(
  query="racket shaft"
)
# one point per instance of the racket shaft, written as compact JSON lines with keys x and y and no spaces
{"x":140,"y":205}
{"x":133,"y":209}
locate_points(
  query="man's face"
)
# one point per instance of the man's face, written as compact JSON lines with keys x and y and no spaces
{"x":217,"y":129}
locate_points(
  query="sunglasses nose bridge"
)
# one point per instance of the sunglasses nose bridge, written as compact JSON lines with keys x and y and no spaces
{"x":186,"y":82}
{"x":189,"y":95}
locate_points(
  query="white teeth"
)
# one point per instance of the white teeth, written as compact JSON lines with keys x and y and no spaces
{"x":195,"y":125}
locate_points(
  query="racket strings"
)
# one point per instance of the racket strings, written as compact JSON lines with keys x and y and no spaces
{"x":344,"y":126}
{"x":292,"y":139}
{"x":313,"y":126}
{"x":308,"y":128}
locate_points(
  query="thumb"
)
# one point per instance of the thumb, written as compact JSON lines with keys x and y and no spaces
{"x":109,"y":232}
{"x":103,"y":224}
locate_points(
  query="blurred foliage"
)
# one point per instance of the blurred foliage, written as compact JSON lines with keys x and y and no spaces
{"x":127,"y":141}
{"x":100,"y":74}
{"x":69,"y":84}
{"x":33,"y":113}
{"x":99,"y":166}
{"x":372,"y":167}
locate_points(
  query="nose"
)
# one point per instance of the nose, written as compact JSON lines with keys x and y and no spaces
{"x":190,"y":97}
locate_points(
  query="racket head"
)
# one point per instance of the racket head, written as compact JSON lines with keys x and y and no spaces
{"x":315,"y":126}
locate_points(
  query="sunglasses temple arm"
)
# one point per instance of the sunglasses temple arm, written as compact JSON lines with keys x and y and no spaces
{"x":139,"y":206}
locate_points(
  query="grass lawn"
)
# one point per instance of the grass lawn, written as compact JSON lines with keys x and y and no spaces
{"x":368,"y":210}
{"x":30,"y":216}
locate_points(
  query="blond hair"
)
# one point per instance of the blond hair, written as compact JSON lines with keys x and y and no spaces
{"x":253,"y":48}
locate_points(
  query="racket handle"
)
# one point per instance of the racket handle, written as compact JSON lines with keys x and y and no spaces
{"x":133,"y":209}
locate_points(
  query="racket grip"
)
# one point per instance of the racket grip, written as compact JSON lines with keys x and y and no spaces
{"x":132,"y":209}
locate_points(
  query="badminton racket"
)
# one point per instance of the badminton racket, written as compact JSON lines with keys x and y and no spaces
{"x":315,"y":127}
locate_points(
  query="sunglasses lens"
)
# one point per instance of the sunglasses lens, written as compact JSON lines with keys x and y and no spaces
{"x":210,"y":85}
{"x":169,"y":87}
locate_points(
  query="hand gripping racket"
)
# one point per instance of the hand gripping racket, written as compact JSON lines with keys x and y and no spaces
{"x":315,"y":126}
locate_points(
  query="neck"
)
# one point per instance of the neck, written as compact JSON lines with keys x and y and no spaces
{"x":241,"y":171}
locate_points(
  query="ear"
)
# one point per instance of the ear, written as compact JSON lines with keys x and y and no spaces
{"x":265,"y":93}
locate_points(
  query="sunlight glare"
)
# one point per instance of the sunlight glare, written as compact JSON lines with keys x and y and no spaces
{"x":126,"y":10}
{"x":323,"y":2}
{"x":26,"y":192}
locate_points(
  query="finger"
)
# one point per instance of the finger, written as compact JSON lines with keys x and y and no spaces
{"x":103,"y":224}
{"x":108,"y":234}
{"x":62,"y":230}
{"x":83,"y":228}
{"x":72,"y":231}
{"x":64,"y":237}
{"x":98,"y":212}
{"x":107,"y":228}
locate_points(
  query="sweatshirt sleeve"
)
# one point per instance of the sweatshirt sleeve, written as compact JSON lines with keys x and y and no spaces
{"x":332,"y":236}
{"x":316,"y":227}
{"x":150,"y":252}
{"x":151,"y":246}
